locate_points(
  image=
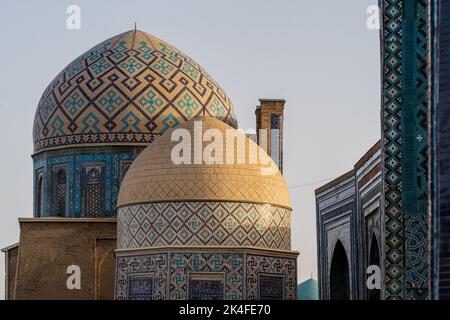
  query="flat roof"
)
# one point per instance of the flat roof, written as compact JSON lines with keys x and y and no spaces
{"x":374,"y":149}
{"x":70,"y":220}
{"x":15,"y":245}
{"x":272,"y":100}
{"x":335,"y":182}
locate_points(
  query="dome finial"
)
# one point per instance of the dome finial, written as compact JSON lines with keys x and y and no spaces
{"x":135,"y":26}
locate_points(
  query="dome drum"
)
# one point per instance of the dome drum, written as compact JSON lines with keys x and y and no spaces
{"x":104,"y":107}
{"x":224,"y":224}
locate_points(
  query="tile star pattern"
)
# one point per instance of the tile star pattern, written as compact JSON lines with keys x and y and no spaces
{"x":128,"y":89}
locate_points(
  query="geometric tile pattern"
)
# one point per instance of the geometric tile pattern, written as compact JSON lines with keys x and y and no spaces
{"x":169,"y":274}
{"x":128,"y":89}
{"x":183,"y":264}
{"x":392,"y":100}
{"x":133,"y":266}
{"x":59,"y":192}
{"x":205,"y":289}
{"x":416,"y":179}
{"x":405,"y":132}
{"x":93,"y":203}
{"x":140,"y":287}
{"x":75,"y":160}
{"x":271,"y":287}
{"x":276,"y":142}
{"x":155,"y":177}
{"x":204,"y":223}
{"x":260,"y":267}
{"x":417,"y":248}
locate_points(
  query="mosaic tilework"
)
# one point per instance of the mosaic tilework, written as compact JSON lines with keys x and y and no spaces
{"x":416,"y":246}
{"x":205,"y":289}
{"x":75,"y":161}
{"x":276,"y":142}
{"x":181,"y":264}
{"x":140,"y":287}
{"x":232,"y":264}
{"x":134,"y":266}
{"x":130,"y":88}
{"x":405,"y":106}
{"x":204,"y":223}
{"x":415,"y":188}
{"x":271,"y":287}
{"x":275,"y":266}
{"x":392,"y":99}
{"x":171,"y":272}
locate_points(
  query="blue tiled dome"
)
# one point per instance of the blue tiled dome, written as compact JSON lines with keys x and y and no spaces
{"x":128,"y":89}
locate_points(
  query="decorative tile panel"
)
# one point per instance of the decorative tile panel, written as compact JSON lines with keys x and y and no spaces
{"x":271,"y":287}
{"x":257,"y":266}
{"x":140,"y":287}
{"x":205,"y":275}
{"x":405,"y":135}
{"x":142,"y":266}
{"x":74,"y":161}
{"x":204,"y":223}
{"x":206,"y":287}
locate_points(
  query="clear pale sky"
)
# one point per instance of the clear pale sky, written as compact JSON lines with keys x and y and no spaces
{"x":318,"y":55}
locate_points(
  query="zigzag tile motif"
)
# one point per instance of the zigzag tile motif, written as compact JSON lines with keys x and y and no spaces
{"x":128,"y":89}
{"x":204,"y":223}
{"x":416,"y":221}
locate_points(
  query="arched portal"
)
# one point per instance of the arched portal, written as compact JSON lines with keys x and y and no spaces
{"x":374,"y":259}
{"x":106,"y":277}
{"x":339,"y":274}
{"x":39,"y":198}
{"x":59,"y":193}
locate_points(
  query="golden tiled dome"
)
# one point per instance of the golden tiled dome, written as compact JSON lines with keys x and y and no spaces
{"x":154,"y":177}
{"x":128,"y":89}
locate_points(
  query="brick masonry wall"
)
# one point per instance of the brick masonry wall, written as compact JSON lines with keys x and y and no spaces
{"x":49,"y":246}
{"x":11,"y":271}
{"x":264,"y":113}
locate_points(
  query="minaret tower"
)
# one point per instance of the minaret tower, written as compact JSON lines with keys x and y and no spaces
{"x":270,"y":118}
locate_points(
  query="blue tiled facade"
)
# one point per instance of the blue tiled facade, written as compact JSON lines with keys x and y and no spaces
{"x":349,"y":216}
{"x":113,"y":162}
{"x":230,"y":274}
{"x":405,"y":134}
